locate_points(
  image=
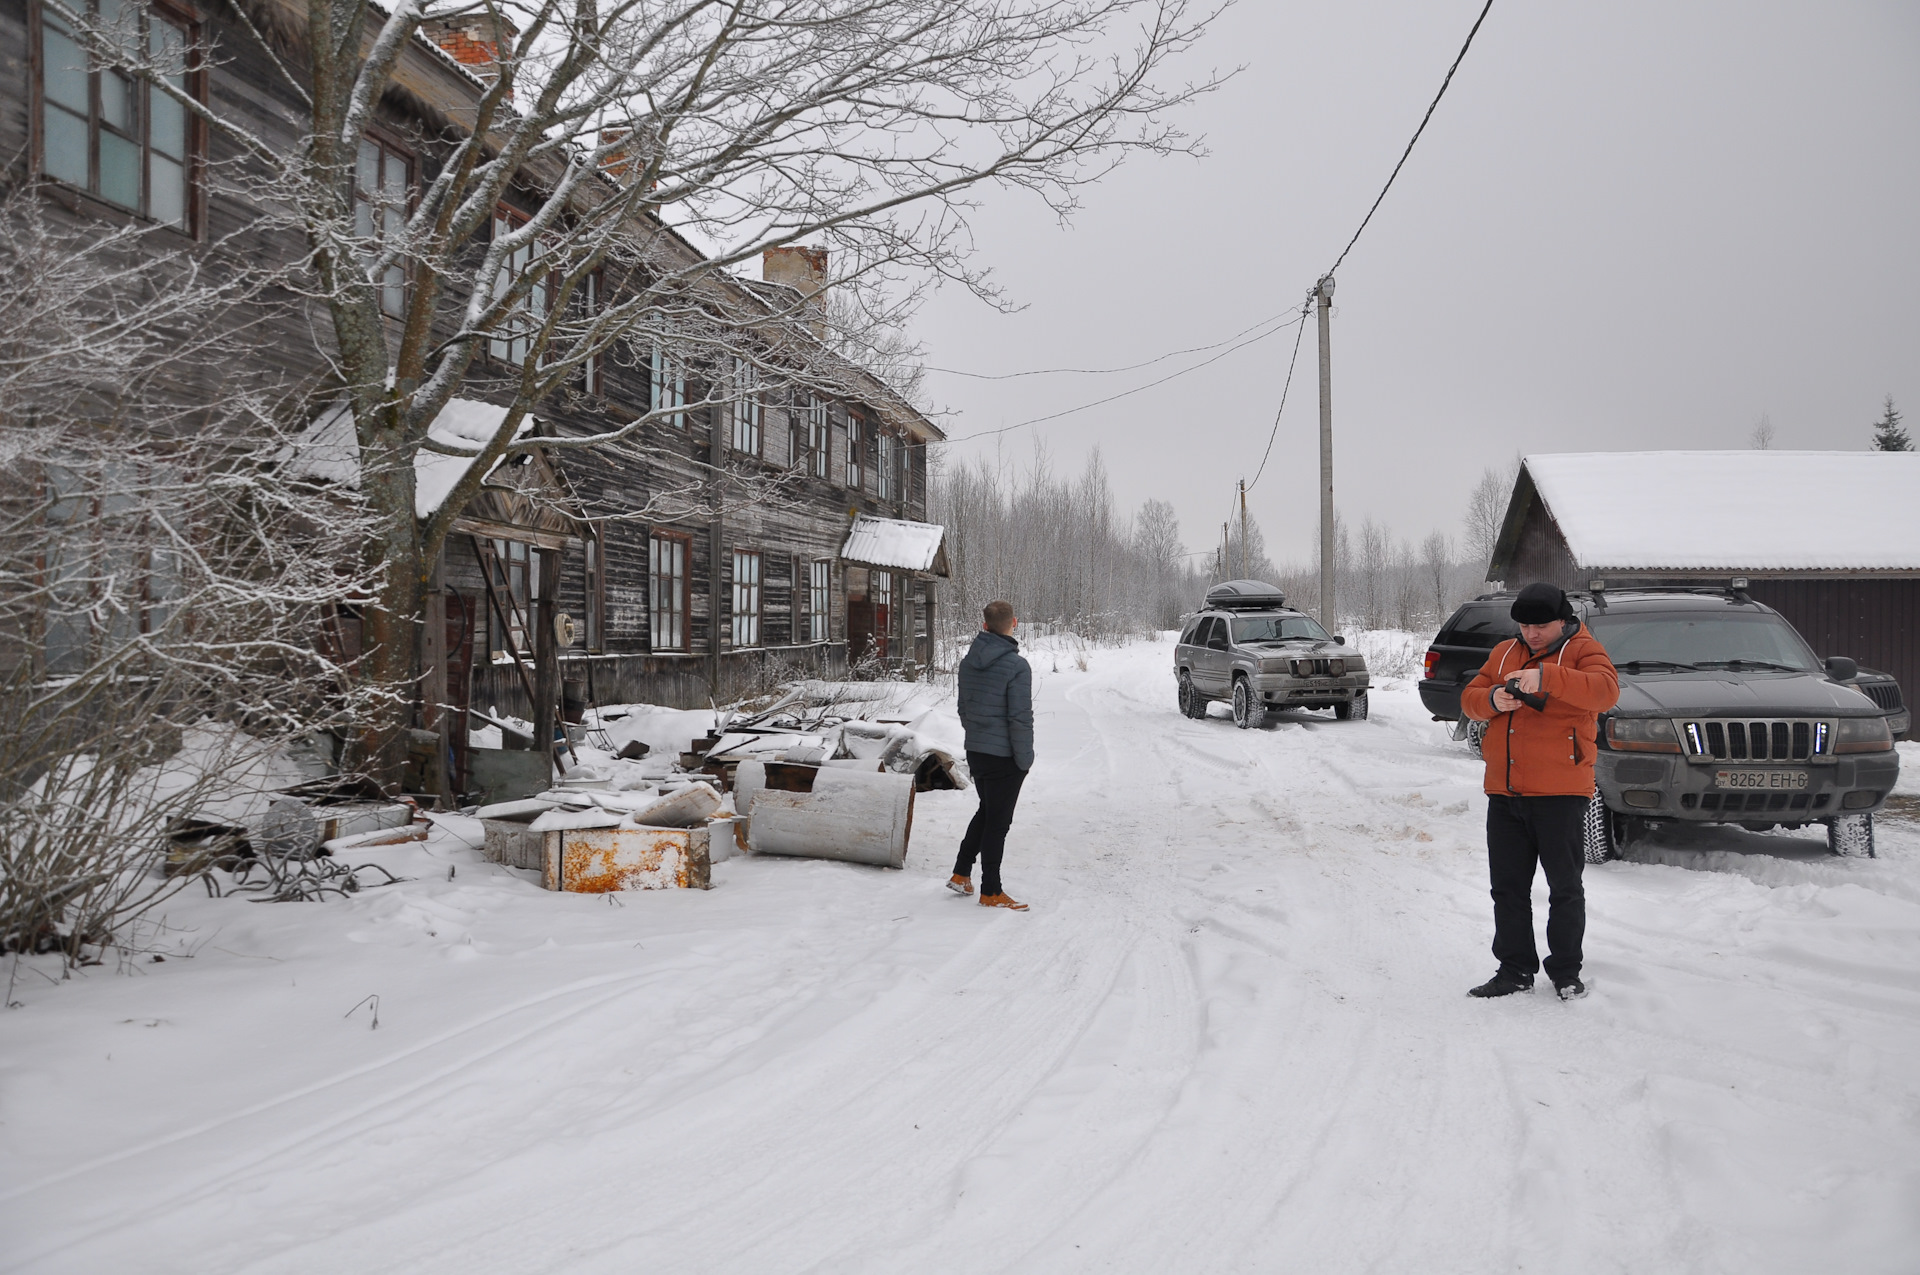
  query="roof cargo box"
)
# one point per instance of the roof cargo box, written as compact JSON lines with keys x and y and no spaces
{"x":1245,"y":595}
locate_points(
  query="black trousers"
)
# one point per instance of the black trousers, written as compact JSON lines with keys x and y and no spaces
{"x":1523,"y":831}
{"x":998,"y":781}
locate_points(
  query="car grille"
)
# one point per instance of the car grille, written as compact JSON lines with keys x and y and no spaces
{"x":1885,"y":694}
{"x":1791,"y":739}
{"x":1319,"y":668}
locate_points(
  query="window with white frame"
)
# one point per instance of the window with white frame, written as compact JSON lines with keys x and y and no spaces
{"x":591,"y":378}
{"x":106,"y":578}
{"x":819,"y":585}
{"x":380,"y":194}
{"x":746,"y":598}
{"x":745,"y":407}
{"x":594,"y":586}
{"x":513,"y":338}
{"x":107,"y":132}
{"x":856,"y":448}
{"x":883,"y":466}
{"x":667,"y":578}
{"x":819,"y":438}
{"x":667,"y":378}
{"x":513,"y":573}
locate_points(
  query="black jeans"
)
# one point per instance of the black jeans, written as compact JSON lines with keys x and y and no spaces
{"x":1522,"y":831}
{"x":998,"y":781}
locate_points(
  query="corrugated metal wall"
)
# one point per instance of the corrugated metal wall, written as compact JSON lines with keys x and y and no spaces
{"x":1877,"y":622}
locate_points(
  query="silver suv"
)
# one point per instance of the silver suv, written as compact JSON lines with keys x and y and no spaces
{"x":1248,"y":648}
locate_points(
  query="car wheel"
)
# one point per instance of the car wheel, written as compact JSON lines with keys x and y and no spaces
{"x":1248,"y":712}
{"x":1192,"y":702}
{"x":1851,"y":835}
{"x":1476,"y":735}
{"x":1599,"y":840}
{"x":1355,"y":710}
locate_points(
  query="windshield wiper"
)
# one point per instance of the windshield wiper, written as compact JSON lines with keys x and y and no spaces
{"x":1634,"y":666}
{"x":1767,"y":664}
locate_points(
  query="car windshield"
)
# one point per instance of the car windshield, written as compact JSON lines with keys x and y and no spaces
{"x":1277,"y":628}
{"x":1700,"y":639}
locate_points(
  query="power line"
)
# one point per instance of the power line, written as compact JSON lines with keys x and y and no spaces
{"x":1106,"y":371}
{"x":1416,"y":136}
{"x":1053,"y":416}
{"x":1275,"y":431}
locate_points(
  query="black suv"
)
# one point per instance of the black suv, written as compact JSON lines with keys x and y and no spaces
{"x":1725,"y":716}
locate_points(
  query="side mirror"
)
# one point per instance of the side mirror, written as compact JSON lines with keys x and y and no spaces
{"x":1842,"y":669}
{"x":1339,"y":639}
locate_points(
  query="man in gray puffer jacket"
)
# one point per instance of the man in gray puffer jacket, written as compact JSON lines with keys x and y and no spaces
{"x":996,"y":707}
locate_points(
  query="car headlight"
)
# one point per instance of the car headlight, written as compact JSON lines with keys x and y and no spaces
{"x":1862,"y":735}
{"x":1276,"y":666}
{"x":1642,"y":735}
{"x":1356,"y":664}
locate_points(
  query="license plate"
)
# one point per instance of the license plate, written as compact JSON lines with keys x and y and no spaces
{"x":1768,"y":779}
{"x":1319,"y":681}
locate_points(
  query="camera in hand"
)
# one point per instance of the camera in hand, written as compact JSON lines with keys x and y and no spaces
{"x":1535,"y":702}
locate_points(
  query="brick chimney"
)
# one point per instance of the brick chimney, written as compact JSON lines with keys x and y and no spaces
{"x":802,"y":269}
{"x":477,"y":41}
{"x":631,"y":155}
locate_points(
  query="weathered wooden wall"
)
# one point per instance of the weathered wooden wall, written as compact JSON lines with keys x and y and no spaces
{"x":619,"y":490}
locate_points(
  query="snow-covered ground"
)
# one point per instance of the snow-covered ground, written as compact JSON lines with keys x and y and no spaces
{"x":1231,"y":1035}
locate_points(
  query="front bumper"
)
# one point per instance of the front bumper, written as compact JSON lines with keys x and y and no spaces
{"x":1286,"y":690}
{"x":1662,"y":786}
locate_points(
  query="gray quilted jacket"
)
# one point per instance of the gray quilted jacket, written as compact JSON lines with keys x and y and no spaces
{"x":996,"y":699}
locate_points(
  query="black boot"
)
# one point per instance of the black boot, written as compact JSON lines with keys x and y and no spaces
{"x":1505,"y":982}
{"x":1571,"y":990}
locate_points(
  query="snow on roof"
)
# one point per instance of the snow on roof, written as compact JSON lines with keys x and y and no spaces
{"x":467,"y":425}
{"x":1744,"y":510}
{"x":896,"y":543}
{"x":329,"y":451}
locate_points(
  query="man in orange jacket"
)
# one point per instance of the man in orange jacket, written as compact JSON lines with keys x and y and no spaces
{"x":1541,"y":695}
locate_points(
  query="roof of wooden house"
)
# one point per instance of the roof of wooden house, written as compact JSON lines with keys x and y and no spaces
{"x":1686,"y":511}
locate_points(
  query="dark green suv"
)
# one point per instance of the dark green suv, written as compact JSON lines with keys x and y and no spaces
{"x":1727,"y":716}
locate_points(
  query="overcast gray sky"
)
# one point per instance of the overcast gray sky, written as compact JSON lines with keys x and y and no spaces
{"x":1630,"y":225}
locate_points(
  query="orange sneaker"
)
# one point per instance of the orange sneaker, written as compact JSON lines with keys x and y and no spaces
{"x":960,"y":885}
{"x":1001,"y":901}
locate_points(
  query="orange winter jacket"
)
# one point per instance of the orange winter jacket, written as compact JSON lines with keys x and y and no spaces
{"x":1544,"y":752}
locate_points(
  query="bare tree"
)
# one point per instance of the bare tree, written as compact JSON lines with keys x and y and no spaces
{"x":623,"y":132}
{"x":161,"y":576}
{"x":1375,"y":567}
{"x":1436,"y":564}
{"x":1056,"y":550}
{"x":1762,"y":437}
{"x":1487,"y":509}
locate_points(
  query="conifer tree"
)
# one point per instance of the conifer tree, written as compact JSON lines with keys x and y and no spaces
{"x":1889,"y":435}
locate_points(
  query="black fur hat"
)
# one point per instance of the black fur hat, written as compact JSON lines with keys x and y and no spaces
{"x":1541,"y":603}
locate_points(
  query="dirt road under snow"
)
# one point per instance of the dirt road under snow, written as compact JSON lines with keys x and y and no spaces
{"x":1231,"y":1035}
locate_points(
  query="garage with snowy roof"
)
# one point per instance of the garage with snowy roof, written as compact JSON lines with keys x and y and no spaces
{"x":1831,"y":540}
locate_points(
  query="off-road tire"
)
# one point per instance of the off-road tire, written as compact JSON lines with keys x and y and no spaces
{"x":1249,"y":712}
{"x":1476,"y":735}
{"x":1599,"y":839}
{"x":1354,"y":710}
{"x":1851,"y":836}
{"x":1192,"y":702}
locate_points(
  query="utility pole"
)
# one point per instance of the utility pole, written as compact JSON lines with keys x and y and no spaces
{"x":1243,"y":529}
{"x":1323,"y":292}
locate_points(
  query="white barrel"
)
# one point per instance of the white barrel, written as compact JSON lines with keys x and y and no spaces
{"x":851,"y":815}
